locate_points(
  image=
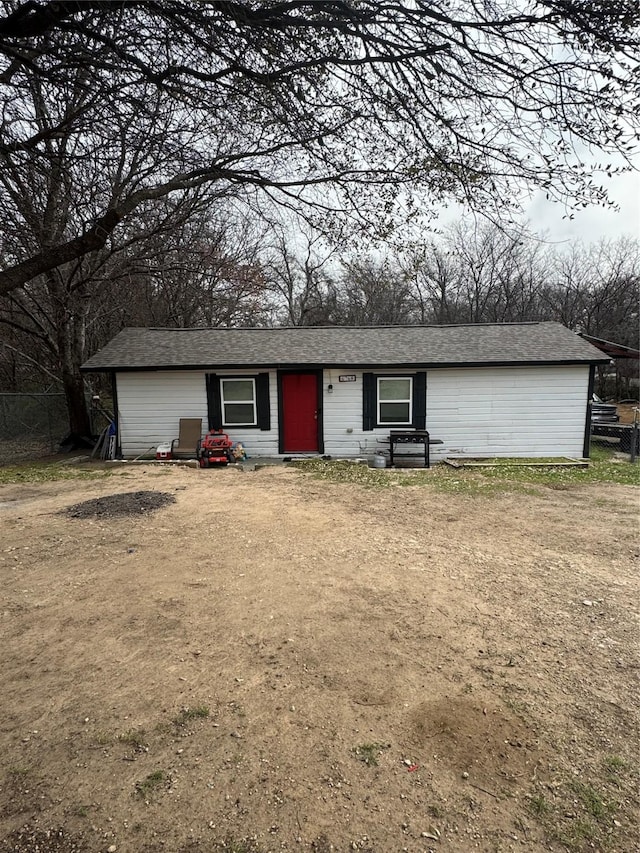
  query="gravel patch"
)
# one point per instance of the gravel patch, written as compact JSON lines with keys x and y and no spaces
{"x":27,"y":839}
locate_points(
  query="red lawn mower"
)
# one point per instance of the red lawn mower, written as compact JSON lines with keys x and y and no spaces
{"x":214,"y":449}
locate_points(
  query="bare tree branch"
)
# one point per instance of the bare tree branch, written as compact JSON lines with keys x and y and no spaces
{"x":357,"y":109}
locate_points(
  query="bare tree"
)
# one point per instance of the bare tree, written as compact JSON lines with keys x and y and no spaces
{"x":165,"y":243}
{"x":437,"y":279}
{"x":200,"y":270}
{"x":491,"y":275}
{"x":596,"y":289}
{"x":374,"y":292}
{"x":500,"y":272}
{"x":338,"y":106}
{"x":300,"y":266}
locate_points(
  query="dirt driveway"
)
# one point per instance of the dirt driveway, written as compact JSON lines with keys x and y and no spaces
{"x":273,"y":662}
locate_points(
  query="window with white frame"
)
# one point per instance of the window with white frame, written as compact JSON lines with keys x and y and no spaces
{"x":395,"y":400}
{"x":238,"y":398}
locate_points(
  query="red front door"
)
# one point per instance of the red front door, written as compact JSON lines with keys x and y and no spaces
{"x":299,"y":412}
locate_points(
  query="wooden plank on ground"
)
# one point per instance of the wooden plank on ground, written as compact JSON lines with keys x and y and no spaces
{"x":571,"y":463}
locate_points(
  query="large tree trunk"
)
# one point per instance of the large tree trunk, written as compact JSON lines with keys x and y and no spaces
{"x":74,"y":392}
{"x":71,"y":312}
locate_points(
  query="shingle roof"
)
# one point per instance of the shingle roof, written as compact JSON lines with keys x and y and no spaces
{"x":370,"y":346}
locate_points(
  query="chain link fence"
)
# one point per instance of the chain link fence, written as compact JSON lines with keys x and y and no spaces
{"x":623,"y":447}
{"x":618,"y":439}
{"x":31,"y":424}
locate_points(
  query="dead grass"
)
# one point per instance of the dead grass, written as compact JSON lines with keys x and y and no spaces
{"x":276,"y":662}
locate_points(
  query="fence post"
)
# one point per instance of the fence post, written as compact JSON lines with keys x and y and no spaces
{"x":634,"y":436}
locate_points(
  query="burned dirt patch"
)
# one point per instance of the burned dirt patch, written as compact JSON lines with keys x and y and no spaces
{"x":118,"y":505}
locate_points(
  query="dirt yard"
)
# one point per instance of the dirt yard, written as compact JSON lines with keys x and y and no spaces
{"x":271,"y":662}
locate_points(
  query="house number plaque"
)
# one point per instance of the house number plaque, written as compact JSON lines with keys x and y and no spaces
{"x":348,"y":377}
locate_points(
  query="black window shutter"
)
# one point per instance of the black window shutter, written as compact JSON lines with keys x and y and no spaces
{"x":214,"y":402}
{"x":420,"y":400}
{"x":368,"y":401}
{"x":262,"y":401}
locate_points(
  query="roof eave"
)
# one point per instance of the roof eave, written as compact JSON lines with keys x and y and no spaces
{"x":296,"y":365}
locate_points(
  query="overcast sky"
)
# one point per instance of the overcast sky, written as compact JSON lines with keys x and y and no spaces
{"x":593,"y":223}
{"x":589,"y":225}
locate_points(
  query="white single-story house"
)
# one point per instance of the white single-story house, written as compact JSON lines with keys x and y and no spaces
{"x":516,"y":390}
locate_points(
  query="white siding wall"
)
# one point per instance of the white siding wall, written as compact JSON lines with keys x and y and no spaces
{"x":510,"y":411}
{"x":499,"y":411}
{"x":343,"y":412}
{"x":150,"y":406}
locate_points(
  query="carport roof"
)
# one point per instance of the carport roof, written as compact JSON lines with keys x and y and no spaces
{"x":612,"y":349}
{"x":344,"y":346}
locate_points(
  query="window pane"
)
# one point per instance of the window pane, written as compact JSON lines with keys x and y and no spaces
{"x":237,"y":389}
{"x":239,"y":413}
{"x":395,"y":389}
{"x":394,"y":413}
